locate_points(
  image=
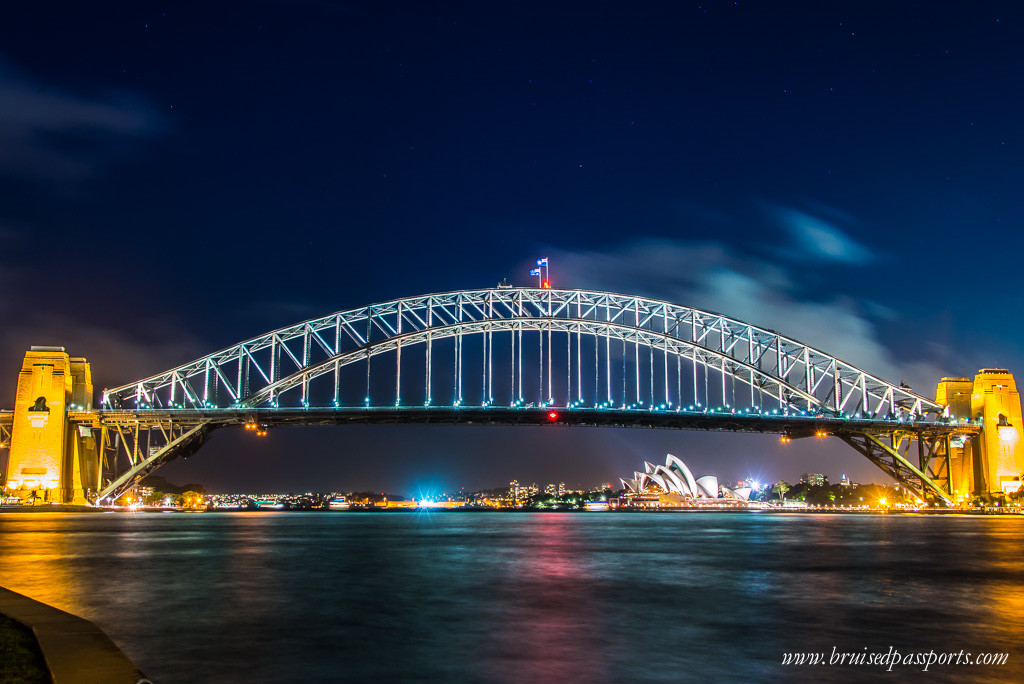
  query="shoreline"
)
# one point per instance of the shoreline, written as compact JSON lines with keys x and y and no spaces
{"x":62,"y":508}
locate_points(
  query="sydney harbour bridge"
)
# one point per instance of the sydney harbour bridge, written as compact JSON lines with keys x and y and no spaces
{"x":500,"y":356}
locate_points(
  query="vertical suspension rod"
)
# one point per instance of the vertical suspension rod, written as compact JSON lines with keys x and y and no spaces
{"x":540,"y":366}
{"x":579,"y":351}
{"x":458,"y":358}
{"x":568,"y":368}
{"x":512,"y":379}
{"x":608,"y":354}
{"x":636,"y":348}
{"x":398,"y":357}
{"x":668,"y":399}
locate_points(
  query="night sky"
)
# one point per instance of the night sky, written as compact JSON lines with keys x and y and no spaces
{"x":177,"y":177}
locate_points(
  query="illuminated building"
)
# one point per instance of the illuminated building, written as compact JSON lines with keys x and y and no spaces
{"x":675,"y":478}
{"x":816,"y":479}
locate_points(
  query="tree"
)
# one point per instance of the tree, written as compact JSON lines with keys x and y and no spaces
{"x":779,"y":489}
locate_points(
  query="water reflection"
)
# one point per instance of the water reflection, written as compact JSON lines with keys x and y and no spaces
{"x":552,"y":627}
{"x":260,"y":597}
{"x":38,"y":558}
{"x":1004,"y":591}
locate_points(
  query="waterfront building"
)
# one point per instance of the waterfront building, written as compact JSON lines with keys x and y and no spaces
{"x":676,"y":484}
{"x":385,"y":503}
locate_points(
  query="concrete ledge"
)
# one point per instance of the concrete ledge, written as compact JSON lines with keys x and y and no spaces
{"x":76,"y":650}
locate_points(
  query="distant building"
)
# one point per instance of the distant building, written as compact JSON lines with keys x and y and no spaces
{"x":816,"y":479}
{"x":845,"y":481}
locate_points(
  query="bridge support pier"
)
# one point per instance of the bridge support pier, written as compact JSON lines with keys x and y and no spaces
{"x":992,"y":462}
{"x":893,"y":459}
{"x":53,"y":457}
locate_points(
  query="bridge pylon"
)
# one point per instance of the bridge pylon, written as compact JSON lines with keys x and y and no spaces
{"x":990,"y":463}
{"x":53,"y":458}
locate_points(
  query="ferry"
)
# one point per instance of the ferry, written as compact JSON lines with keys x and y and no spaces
{"x":338,"y":504}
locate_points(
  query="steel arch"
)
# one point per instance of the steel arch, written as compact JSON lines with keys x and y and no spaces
{"x":256,"y":371}
{"x":742,"y":371}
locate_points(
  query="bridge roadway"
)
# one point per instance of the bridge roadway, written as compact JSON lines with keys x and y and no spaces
{"x":793,"y":425}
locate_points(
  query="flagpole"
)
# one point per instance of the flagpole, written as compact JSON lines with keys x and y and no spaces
{"x":544,"y":272}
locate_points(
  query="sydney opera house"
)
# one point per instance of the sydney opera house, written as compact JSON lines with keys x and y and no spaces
{"x":675,"y":478}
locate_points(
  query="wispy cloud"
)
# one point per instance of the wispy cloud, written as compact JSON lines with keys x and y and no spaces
{"x":49,"y":133}
{"x":715,"y":277}
{"x":821,"y":238}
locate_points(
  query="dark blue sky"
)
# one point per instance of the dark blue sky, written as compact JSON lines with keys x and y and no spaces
{"x":176,"y":177}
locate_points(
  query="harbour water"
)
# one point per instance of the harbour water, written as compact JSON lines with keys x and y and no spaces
{"x":283,"y":597}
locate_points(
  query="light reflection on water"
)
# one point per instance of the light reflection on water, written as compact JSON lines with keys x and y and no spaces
{"x":268,"y":597}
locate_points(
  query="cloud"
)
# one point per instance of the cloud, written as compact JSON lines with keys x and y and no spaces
{"x":714,"y":277}
{"x":820,"y":238}
{"x":48,"y":133}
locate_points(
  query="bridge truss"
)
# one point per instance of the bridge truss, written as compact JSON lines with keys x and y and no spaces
{"x":521,"y":355}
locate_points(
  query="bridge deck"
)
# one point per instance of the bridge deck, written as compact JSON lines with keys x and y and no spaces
{"x":793,"y":425}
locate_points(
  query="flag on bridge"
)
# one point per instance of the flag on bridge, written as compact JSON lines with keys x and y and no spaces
{"x":535,"y":272}
{"x":542,"y":262}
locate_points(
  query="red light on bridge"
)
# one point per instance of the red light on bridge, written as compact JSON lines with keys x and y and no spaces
{"x":546,"y":285}
{"x":553,"y":415}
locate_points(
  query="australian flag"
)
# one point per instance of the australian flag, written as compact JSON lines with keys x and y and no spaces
{"x":542,"y":262}
{"x":535,"y":272}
